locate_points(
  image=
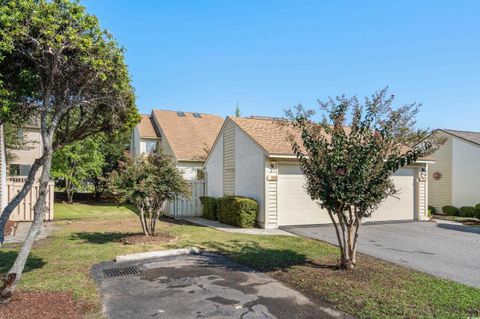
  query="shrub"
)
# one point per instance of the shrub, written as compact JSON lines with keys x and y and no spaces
{"x":237,"y":211}
{"x":431,"y":210}
{"x":450,"y":210}
{"x":209,"y":205}
{"x":467,"y":211}
{"x":477,"y":211}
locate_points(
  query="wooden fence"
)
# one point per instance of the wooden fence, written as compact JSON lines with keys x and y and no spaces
{"x":24,"y":210}
{"x":188,"y":207}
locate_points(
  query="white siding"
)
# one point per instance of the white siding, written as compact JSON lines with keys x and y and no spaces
{"x":229,"y":159}
{"x":440,"y":191}
{"x":465,"y":173}
{"x":214,"y":169}
{"x":249,"y":171}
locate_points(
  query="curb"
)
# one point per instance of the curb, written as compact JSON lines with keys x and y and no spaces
{"x":158,"y":254}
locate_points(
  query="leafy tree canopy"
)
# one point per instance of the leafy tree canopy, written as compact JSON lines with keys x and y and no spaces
{"x":148,"y":182}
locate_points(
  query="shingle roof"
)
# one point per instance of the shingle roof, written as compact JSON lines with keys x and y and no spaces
{"x":473,"y":137}
{"x":188,"y":136}
{"x":146,"y":128}
{"x":272,"y":137}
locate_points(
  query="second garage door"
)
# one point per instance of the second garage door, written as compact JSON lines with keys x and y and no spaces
{"x":296,"y":208}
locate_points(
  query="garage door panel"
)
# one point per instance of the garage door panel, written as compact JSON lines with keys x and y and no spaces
{"x":296,"y":208}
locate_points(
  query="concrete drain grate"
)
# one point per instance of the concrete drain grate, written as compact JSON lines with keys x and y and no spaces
{"x":121,"y":271}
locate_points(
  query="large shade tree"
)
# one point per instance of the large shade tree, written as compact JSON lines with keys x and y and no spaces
{"x":69,"y":73}
{"x":349,"y":156}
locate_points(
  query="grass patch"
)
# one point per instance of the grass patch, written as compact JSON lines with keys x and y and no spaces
{"x":375,"y":289}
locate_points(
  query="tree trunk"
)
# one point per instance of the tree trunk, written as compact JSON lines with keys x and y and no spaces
{"x":142,"y":220}
{"x":347,"y":234}
{"x":20,"y":196}
{"x":39,"y":212}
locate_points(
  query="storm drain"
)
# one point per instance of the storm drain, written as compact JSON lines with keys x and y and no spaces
{"x":121,"y":271}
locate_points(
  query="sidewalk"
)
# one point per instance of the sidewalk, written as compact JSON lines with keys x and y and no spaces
{"x":232,"y":229}
{"x":22,"y":231}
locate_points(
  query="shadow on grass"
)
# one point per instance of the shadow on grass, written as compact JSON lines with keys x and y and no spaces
{"x":264,"y":259}
{"x":100,"y":238}
{"x":7,"y":258}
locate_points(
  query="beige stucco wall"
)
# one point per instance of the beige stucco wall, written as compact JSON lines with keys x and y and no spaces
{"x":440,"y":191}
{"x":33,"y":147}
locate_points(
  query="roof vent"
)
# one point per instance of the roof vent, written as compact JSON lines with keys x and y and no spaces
{"x":181,"y":114}
{"x":197,"y":115}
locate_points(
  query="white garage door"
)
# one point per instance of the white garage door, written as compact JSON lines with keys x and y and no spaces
{"x":296,"y":208}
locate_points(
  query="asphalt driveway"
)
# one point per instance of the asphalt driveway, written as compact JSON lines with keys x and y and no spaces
{"x":199,"y":286}
{"x":444,"y":250}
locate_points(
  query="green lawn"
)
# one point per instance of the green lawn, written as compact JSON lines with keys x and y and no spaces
{"x":88,"y":234}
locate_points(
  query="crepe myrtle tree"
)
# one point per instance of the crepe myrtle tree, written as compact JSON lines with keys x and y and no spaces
{"x":78,"y":85}
{"x":348,"y":158}
{"x":148,"y":183}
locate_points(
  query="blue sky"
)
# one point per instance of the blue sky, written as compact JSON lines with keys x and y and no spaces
{"x":204,"y":56}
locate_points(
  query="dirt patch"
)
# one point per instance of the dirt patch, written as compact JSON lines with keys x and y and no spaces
{"x":10,"y":228}
{"x":142,"y":239}
{"x":45,"y":305}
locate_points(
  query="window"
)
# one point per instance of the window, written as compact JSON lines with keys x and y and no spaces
{"x":197,"y":115}
{"x":19,"y":170}
{"x":150,"y":146}
{"x":20,"y":136}
{"x":181,"y":114}
{"x":200,"y":173}
{"x":14,"y":170}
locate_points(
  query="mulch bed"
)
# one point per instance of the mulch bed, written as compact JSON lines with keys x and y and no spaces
{"x":45,"y":305}
{"x":142,"y":239}
{"x":472,"y":222}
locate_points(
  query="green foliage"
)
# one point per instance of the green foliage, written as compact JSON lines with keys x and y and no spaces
{"x":148,"y":183}
{"x":76,"y":164}
{"x":450,"y":210}
{"x":57,"y":63}
{"x":209,"y":206}
{"x":467,"y":211}
{"x":477,"y":211}
{"x":349,"y":156}
{"x":237,"y":211}
{"x":431,"y":210}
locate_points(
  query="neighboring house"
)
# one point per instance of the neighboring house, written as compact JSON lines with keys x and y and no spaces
{"x":186,"y":136}
{"x":22,"y":160}
{"x":252,"y":157}
{"x":454,"y":179}
{"x":19,"y":165}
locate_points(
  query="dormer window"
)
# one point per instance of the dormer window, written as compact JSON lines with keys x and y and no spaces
{"x":181,"y":114}
{"x":197,"y":115}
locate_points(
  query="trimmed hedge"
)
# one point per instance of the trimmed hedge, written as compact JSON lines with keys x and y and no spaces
{"x":477,"y":211}
{"x":467,"y":211}
{"x":431,"y":210}
{"x":209,"y":207}
{"x":237,"y":211}
{"x":450,"y":210}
